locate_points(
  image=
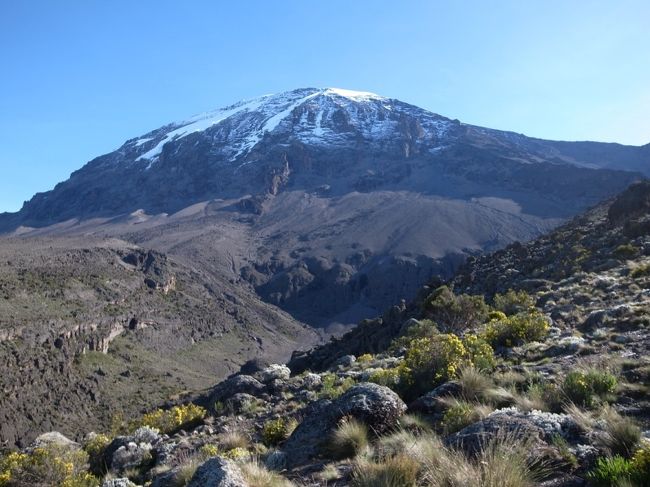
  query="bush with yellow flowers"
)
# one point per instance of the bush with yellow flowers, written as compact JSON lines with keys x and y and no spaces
{"x":48,"y":465}
{"x":174,"y":419}
{"x":277,"y":430}
{"x":436,"y":359}
{"x":509,"y":331}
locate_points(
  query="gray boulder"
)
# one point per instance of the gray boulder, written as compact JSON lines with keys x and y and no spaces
{"x":473,"y":438}
{"x":54,"y":438}
{"x":433,"y":401}
{"x":235,"y":385}
{"x":118,"y":483}
{"x":376,"y":406}
{"x":131,"y":455}
{"x":273,"y":372}
{"x":218,"y":472}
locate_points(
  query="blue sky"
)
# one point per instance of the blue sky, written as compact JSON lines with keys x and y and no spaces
{"x":80,"y":77}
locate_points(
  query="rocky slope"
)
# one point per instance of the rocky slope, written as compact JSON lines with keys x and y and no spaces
{"x":534,"y":370}
{"x":91,"y":329}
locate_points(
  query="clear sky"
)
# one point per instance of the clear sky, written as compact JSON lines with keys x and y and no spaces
{"x":78,"y":78}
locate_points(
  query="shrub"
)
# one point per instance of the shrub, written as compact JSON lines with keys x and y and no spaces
{"x":348,"y":439}
{"x":436,"y":359}
{"x":422,"y":329}
{"x":582,"y":387}
{"x":641,"y":271}
{"x":387,"y":377}
{"x":277,"y":430}
{"x":517,"y":329}
{"x":455,"y":313}
{"x":429,"y":361}
{"x":332,"y":387}
{"x":237,"y":454}
{"x":208,"y":451}
{"x":49,"y":465}
{"x":365,"y":358}
{"x":458,"y":416}
{"x":174,"y":419}
{"x":640,"y":465}
{"x":608,"y":472}
{"x":625,"y":251}
{"x":513,"y":302}
{"x":480,"y":352}
{"x":95,"y":446}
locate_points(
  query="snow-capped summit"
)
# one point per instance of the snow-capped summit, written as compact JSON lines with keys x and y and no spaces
{"x":346,"y":141}
{"x":328,"y":116}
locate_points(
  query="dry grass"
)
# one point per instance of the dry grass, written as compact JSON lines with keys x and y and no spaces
{"x":349,"y":439}
{"x":397,"y":471}
{"x":404,"y":460}
{"x":621,"y":435}
{"x":259,"y":476}
{"x":234,"y":439}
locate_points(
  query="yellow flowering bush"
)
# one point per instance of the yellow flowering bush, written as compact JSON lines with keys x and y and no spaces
{"x":209,"y":450}
{"x":277,"y":430}
{"x":641,"y":464}
{"x":238,"y":453}
{"x":436,"y":359}
{"x":49,"y":465}
{"x":171,"y":420}
{"x":509,"y":331}
{"x":365,"y":358}
{"x":582,"y":387}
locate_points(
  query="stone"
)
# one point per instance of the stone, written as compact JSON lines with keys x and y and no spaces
{"x":376,"y":406}
{"x":218,"y":472}
{"x":472,"y":439}
{"x":432,"y":401}
{"x":275,"y":372}
{"x":54,"y":438}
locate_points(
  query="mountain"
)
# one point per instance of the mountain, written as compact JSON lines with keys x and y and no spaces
{"x":323,"y":192}
{"x":203,"y":243}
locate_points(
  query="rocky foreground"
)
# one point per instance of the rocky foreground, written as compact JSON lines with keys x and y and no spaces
{"x":530,"y":367}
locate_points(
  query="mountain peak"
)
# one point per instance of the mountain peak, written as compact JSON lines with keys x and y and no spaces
{"x":313,"y":115}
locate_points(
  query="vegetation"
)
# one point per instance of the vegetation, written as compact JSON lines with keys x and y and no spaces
{"x":584,"y":387}
{"x":455,"y":313}
{"x":523,"y":327}
{"x":174,"y":419}
{"x":349,"y":439}
{"x":513,"y":302}
{"x":48,"y":465}
{"x":277,"y":430}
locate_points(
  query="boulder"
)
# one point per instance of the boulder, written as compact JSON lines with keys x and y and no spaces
{"x":218,"y":472}
{"x":131,"y":455}
{"x":273,"y":372}
{"x":118,"y":483}
{"x":253,"y":366}
{"x":239,"y":402}
{"x":345,"y":361}
{"x":473,"y":438}
{"x":54,"y":438}
{"x":377,"y":406}
{"x":234,"y":385}
{"x":432,"y":402}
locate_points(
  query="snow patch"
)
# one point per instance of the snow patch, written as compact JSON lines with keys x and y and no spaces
{"x":199,"y":123}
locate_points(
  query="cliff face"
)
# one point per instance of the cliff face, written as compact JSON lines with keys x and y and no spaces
{"x":94,"y":329}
